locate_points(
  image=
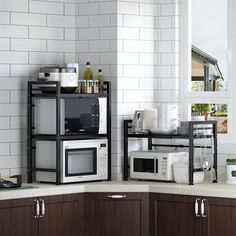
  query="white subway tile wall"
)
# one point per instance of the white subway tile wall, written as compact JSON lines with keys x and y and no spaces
{"x":135,"y":42}
{"x":32,"y":34}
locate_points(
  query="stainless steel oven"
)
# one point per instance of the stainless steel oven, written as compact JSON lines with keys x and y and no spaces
{"x":81,"y":160}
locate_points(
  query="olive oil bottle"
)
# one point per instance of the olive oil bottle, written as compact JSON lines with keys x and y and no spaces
{"x":100,"y":79}
{"x":88,"y":73}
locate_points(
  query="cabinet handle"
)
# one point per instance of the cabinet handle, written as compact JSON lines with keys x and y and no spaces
{"x":116,"y":196}
{"x":42,"y":208}
{"x":203,"y":208}
{"x":36,"y":208}
{"x":197,"y":207}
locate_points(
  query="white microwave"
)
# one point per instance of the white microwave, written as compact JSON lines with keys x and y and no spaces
{"x":155,"y":165}
{"x":81,"y":160}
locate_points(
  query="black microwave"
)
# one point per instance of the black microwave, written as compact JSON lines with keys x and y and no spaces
{"x":77,"y":116}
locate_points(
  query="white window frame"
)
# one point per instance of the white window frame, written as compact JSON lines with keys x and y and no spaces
{"x":222,"y":97}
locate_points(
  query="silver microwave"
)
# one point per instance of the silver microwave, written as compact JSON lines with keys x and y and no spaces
{"x":86,"y":115}
{"x":154,"y":165}
{"x":81,"y":160}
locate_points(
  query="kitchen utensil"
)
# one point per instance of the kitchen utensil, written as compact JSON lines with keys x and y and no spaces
{"x":9,"y":184}
{"x":66,"y":75}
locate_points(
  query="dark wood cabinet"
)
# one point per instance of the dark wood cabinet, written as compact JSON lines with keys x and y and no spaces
{"x":220,"y":217}
{"x":179,"y":215}
{"x":63,"y":216}
{"x":173,"y":215}
{"x":117,"y":214}
{"x":17,"y":217}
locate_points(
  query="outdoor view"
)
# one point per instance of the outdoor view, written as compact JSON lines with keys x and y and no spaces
{"x":217,"y":112}
{"x":209,"y":57}
{"x":209,"y":45}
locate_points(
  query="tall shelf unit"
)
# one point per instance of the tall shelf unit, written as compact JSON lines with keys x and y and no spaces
{"x":35,"y":92}
{"x":190,"y":137}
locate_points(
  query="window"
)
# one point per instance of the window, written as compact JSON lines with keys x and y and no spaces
{"x":207,"y":64}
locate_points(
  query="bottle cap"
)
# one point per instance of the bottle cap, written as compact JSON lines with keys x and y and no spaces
{"x":99,"y":70}
{"x":88,"y":63}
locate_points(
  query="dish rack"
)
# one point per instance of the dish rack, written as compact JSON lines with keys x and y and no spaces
{"x":196,"y":130}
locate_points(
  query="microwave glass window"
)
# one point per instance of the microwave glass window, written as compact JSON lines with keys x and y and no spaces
{"x":144,"y":165}
{"x":83,"y":119}
{"x":81,"y":162}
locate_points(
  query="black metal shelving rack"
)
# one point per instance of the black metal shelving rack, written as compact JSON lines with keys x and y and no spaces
{"x":190,"y":137}
{"x":35,"y":92}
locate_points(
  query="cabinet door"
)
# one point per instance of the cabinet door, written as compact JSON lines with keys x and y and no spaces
{"x":17,"y":217}
{"x":63,"y":216}
{"x":220,"y":217}
{"x":106,"y":216}
{"x":173,"y":215}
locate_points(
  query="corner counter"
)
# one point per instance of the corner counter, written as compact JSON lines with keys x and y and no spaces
{"x":203,"y":189}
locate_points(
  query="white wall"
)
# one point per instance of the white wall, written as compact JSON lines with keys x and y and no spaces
{"x":32,"y":34}
{"x":134,"y":42}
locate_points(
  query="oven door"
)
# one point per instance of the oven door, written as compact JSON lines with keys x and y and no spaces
{"x":144,"y":168}
{"x":80,"y":164}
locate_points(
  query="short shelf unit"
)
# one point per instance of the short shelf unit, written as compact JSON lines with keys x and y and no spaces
{"x":190,"y":137}
{"x":35,"y":92}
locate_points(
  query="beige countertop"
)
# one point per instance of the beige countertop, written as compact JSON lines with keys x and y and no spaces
{"x":203,"y":189}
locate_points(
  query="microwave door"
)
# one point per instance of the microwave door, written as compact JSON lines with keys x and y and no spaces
{"x":80,"y":162}
{"x":144,"y":165}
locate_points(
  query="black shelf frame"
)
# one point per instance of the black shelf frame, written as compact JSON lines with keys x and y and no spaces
{"x":35,"y":92}
{"x":190,"y":137}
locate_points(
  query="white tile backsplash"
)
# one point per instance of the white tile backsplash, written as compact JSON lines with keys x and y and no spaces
{"x":13,"y":57}
{"x":14,"y":31}
{"x":14,"y":5}
{"x":135,"y":42}
{"x":28,"y":19}
{"x":4,"y":17}
{"x":61,"y":21}
{"x":28,"y":45}
{"x":46,"y":7}
{"x":46,"y":33}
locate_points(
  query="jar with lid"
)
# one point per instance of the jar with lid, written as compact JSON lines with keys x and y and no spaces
{"x":95,"y":86}
{"x":89,"y":86}
{"x":83,"y":86}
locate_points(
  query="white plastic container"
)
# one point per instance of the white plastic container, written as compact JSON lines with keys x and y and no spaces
{"x":231,"y":174}
{"x":181,"y":174}
{"x":167,"y":118}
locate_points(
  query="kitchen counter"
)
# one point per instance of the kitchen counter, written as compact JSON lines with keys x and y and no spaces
{"x":203,"y":189}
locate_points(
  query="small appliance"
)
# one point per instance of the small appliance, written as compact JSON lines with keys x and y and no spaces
{"x":66,"y":75}
{"x":81,"y":160}
{"x":154,"y":165}
{"x":144,"y":120}
{"x":78,"y":116}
